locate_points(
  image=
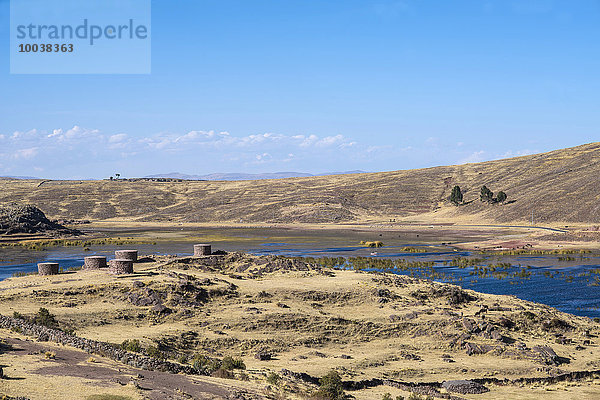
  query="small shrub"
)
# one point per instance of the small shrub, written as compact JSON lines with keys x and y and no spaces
{"x":263,"y":295}
{"x":501,"y":197}
{"x":372,"y":244}
{"x":222,"y":373}
{"x":17,"y":315}
{"x":386,"y":396}
{"x":229,"y":363}
{"x":182,"y":359}
{"x":244,"y":376}
{"x":202,"y":363}
{"x":132,"y":345}
{"x":49,"y":355}
{"x":556,"y":323}
{"x":45,"y":318}
{"x":154,"y":352}
{"x":416,"y":396}
{"x":69,"y":331}
{"x":330,"y":387}
{"x":529,"y":315}
{"x":273,"y":379}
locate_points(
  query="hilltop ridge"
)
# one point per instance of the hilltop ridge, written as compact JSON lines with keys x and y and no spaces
{"x":557,"y":186}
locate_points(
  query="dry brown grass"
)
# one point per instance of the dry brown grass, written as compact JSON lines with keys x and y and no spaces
{"x":559,"y":186}
{"x":362,"y":324}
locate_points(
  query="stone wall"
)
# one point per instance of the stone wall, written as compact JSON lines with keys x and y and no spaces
{"x":95,"y":347}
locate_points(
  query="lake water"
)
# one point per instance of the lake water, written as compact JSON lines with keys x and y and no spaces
{"x":569,"y":285}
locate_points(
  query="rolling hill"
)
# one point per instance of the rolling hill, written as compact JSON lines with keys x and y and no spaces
{"x":558,"y":186}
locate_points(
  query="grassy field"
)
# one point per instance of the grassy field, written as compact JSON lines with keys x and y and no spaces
{"x":559,"y":187}
{"x":309,"y":320}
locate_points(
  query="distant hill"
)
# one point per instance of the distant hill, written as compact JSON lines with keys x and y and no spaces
{"x":18,"y":177}
{"x":558,"y":186}
{"x":240,"y":176}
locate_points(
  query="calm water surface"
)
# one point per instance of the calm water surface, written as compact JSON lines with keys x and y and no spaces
{"x":570,"y":286}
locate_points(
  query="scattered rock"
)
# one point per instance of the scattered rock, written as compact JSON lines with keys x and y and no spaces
{"x":263,"y":356}
{"x":474,"y":349}
{"x":464,"y":387}
{"x":161,"y":309}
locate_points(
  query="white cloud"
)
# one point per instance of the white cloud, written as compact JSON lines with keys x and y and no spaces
{"x":329,"y":141}
{"x":474,"y":157}
{"x":518,"y":153}
{"x":308,"y":141}
{"x":76,"y":132}
{"x":56,"y":132}
{"x":118,"y":138}
{"x":27,"y":134}
{"x":25,"y":153}
{"x":263,"y":156}
{"x":194,"y":136}
{"x":61,"y":149}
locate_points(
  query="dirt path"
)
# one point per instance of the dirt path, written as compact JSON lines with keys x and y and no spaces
{"x":99,"y":374}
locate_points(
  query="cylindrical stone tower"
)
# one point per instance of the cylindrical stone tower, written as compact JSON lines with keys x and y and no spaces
{"x":48,"y":268}
{"x":202,"y":250}
{"x":120,"y":266}
{"x":131,"y":255}
{"x":94,"y":262}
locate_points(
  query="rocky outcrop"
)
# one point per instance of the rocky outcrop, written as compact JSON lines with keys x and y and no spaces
{"x":16,"y":218}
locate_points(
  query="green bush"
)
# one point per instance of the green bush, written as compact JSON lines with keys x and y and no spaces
{"x":388,"y":396}
{"x":154,"y":352}
{"x":501,"y":197}
{"x":372,"y":244}
{"x":229,"y":363}
{"x":330,"y":387}
{"x":486,"y":194}
{"x":202,"y":363}
{"x":132,"y":345}
{"x":45,"y":318}
{"x":273,"y":378}
{"x":456,"y":197}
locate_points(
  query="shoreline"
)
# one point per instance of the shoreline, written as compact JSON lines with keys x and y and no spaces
{"x":307,"y":319}
{"x":490,"y":236}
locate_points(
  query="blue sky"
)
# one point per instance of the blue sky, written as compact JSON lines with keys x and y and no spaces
{"x":315,"y":86}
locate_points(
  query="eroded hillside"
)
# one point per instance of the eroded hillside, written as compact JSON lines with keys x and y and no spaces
{"x":559,"y":186}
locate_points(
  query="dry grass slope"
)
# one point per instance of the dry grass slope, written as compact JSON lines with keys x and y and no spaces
{"x":560,"y":186}
{"x":281,"y":314}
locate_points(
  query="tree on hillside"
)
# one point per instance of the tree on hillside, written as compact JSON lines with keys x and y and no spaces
{"x":331,"y":387}
{"x":486,"y":194}
{"x":456,"y":197}
{"x":501,"y":197}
